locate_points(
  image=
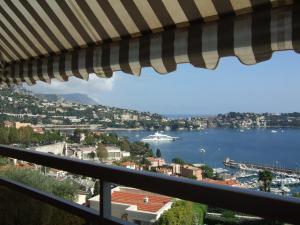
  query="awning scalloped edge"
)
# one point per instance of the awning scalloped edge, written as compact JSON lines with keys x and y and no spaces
{"x":252,"y":38}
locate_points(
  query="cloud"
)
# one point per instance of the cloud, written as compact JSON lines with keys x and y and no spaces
{"x":93,"y":87}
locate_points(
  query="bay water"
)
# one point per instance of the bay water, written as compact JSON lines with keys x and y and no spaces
{"x":250,"y":145}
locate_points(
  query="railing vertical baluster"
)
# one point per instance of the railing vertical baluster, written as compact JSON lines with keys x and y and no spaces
{"x":105,"y":199}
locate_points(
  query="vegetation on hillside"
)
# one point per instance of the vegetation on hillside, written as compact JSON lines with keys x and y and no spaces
{"x":16,"y":208}
{"x":26,"y":136}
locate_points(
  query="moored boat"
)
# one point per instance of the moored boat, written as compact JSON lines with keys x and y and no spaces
{"x":159,"y":137}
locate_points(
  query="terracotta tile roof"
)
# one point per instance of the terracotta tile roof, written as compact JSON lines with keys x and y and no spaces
{"x":222,"y":182}
{"x":155,"y":203}
{"x":24,"y":166}
{"x":128,"y":163}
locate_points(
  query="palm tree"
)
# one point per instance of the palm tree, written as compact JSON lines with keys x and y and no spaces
{"x":265,"y":177}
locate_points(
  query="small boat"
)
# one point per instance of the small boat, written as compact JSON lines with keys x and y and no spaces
{"x":274,"y":131}
{"x":241,"y":130}
{"x":202,"y":150}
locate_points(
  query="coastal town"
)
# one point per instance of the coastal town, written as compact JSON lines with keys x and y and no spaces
{"x":85,"y":132}
{"x":57,"y":113}
{"x":130,"y":204}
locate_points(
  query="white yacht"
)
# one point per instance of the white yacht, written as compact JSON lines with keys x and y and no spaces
{"x":158,"y":137}
{"x":274,"y":131}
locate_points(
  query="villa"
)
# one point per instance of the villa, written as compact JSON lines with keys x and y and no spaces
{"x":115,"y":153}
{"x":134,"y":205}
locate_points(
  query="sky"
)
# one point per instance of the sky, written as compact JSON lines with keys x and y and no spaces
{"x":270,"y":86}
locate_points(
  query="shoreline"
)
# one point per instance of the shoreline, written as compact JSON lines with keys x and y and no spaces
{"x":122,"y":129}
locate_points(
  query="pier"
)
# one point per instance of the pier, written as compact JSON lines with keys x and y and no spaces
{"x":257,"y":167}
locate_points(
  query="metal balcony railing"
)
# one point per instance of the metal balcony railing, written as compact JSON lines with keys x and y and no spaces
{"x":256,"y":203}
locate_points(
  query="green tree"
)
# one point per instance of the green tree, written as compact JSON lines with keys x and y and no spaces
{"x":96,"y":188}
{"x":182,"y":212}
{"x":125,"y":145}
{"x":207,"y":171}
{"x":178,"y":161}
{"x":101,"y":152}
{"x":296,"y":195}
{"x":13,"y":135}
{"x":4,"y":133}
{"x":158,"y":153}
{"x":145,"y":163}
{"x":89,"y":140}
{"x":18,"y":209}
{"x":4,"y":161}
{"x":25,"y":134}
{"x":92,"y":155}
{"x":265,"y":177}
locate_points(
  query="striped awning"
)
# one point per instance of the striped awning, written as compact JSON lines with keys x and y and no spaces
{"x":45,"y":39}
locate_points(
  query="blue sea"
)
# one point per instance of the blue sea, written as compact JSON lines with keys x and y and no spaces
{"x":254,"y":145}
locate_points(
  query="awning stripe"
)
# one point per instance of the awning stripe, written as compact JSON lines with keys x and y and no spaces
{"x":243,"y":40}
{"x":134,"y":62}
{"x":296,"y":28}
{"x":181,"y":47}
{"x":145,"y":43}
{"x":113,"y":17}
{"x":223,"y":7}
{"x":74,"y":21}
{"x":195,"y":46}
{"x":5,"y":55}
{"x":226,"y":36}
{"x":210,"y":45}
{"x":9,"y":47}
{"x":90,"y":29}
{"x":124,"y":57}
{"x":105,"y":60}
{"x":190,"y":10}
{"x":207,"y":10}
{"x":135,"y":13}
{"x":176,"y":13}
{"x":281,"y":31}
{"x":37,"y":27}
{"x":149,"y":15}
{"x":85,"y":8}
{"x":19,"y":31}
{"x":162,"y":14}
{"x":181,"y":34}
{"x":168,"y":57}
{"x":156,"y":59}
{"x":261,"y":35}
{"x":57,"y":21}
{"x":28,"y":29}
{"x":124,"y":17}
{"x":14,"y":37}
{"x":47,"y":24}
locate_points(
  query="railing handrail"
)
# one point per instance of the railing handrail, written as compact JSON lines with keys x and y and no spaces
{"x":256,"y":203}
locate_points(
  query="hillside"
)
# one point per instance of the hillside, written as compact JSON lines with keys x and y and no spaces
{"x":74,"y":98}
{"x":17,"y":104}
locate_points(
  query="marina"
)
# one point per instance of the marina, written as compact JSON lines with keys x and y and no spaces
{"x":258,"y":167}
{"x":247,"y":174}
{"x":259,"y":147}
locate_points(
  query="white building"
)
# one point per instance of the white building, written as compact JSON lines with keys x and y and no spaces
{"x":115,"y":153}
{"x":129,"y":117}
{"x":57,"y":148}
{"x":82,"y":152}
{"x":134,"y":205}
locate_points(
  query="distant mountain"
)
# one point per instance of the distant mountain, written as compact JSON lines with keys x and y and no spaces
{"x":74,"y":97}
